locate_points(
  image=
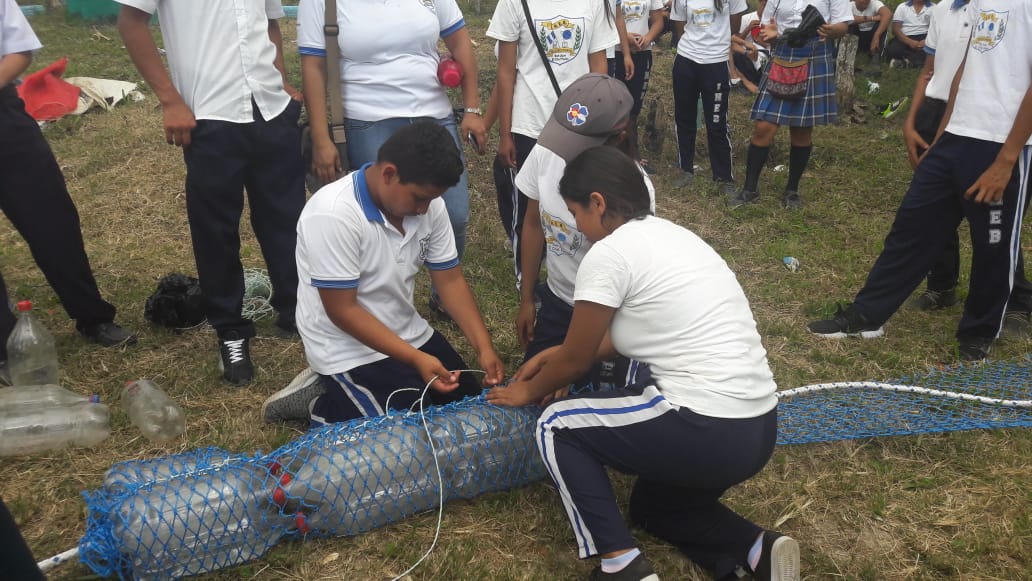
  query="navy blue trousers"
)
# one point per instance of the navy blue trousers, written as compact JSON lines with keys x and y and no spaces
{"x":684,"y":462}
{"x":223,"y":160}
{"x":365,"y":390}
{"x":34,"y":197}
{"x":713,"y":83}
{"x":16,"y":561}
{"x":929,"y":215}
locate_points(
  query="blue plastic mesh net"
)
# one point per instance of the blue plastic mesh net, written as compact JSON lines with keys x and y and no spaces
{"x":207,"y":509}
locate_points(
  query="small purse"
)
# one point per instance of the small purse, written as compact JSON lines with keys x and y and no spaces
{"x":788,"y":79}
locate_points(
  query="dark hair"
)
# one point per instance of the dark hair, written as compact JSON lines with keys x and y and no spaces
{"x":424,"y":153}
{"x":608,"y":171}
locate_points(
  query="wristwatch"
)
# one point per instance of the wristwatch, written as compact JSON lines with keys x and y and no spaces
{"x":474,"y":110}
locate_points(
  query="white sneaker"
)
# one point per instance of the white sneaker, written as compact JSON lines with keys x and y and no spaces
{"x":293,"y":402}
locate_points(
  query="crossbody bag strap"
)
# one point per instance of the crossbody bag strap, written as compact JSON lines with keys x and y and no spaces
{"x":332,"y":32}
{"x":540,"y":48}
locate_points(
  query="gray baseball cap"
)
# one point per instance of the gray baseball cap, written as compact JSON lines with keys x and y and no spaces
{"x":586,"y":114}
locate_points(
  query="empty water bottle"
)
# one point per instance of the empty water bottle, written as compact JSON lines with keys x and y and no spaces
{"x":151,"y":410}
{"x":28,"y":397}
{"x":31,"y":356}
{"x":135,"y":473}
{"x":31,"y":429}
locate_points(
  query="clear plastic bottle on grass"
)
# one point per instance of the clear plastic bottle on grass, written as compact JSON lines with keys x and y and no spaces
{"x":31,"y":355}
{"x":27,"y":429}
{"x":151,"y":410}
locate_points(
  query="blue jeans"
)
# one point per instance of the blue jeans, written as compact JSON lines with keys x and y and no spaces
{"x":365,"y":139}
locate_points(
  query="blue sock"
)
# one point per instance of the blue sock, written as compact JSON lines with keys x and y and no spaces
{"x":618,"y":563}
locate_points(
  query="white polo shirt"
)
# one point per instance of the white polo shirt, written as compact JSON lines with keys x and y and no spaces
{"x":389,"y":58}
{"x":789,"y":13}
{"x":570,"y":30}
{"x":220,"y":56}
{"x":707,"y":32}
{"x":998,"y":70}
{"x":344,"y":242}
{"x":872,"y":10}
{"x":636,"y":19}
{"x":565,"y":246}
{"x":949,"y":33}
{"x":681,"y":311}
{"x":15,"y":33}
{"x":914,"y":23}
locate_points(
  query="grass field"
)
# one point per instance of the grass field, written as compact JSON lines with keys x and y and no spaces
{"x":953,"y":506}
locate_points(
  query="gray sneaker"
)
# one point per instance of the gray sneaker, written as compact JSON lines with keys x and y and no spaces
{"x":293,"y":402}
{"x":685,"y":180}
{"x":1016,"y":325}
{"x":740,"y":198}
{"x":791,"y":200}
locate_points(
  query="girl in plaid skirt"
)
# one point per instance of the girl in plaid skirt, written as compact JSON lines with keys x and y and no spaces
{"x":814,"y":105}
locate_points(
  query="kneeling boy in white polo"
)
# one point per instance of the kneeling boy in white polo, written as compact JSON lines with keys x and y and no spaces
{"x":360,"y":243}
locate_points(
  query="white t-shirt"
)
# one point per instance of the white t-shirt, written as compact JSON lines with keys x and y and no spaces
{"x":344,"y":241}
{"x":569,"y":30}
{"x":913,"y":23}
{"x":636,"y":19}
{"x":681,"y":311}
{"x":565,"y":246}
{"x":789,"y":13}
{"x":998,"y":70}
{"x":389,"y":58}
{"x":15,"y":33}
{"x":220,"y":55}
{"x":949,"y":33}
{"x":872,"y":10}
{"x":707,"y":32}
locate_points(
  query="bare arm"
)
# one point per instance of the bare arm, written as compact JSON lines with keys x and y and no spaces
{"x":911,"y":137}
{"x":655,"y":28}
{"x":506,"y":86}
{"x":597,"y":62}
{"x":12,"y":65}
{"x":532,"y":244}
{"x":277,"y":40}
{"x":884,"y":18}
{"x":989,"y":187}
{"x":326,"y":162}
{"x":343,"y":309}
{"x":588,"y":329}
{"x":462,"y":51}
{"x":179,"y":121}
{"x":459,"y":302}
{"x":627,"y":45}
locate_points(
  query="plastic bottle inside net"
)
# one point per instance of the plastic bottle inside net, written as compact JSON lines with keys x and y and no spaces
{"x":31,"y":355}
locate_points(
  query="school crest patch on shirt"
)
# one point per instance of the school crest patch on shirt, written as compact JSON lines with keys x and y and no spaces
{"x":560,"y":238}
{"x":424,"y":248}
{"x":990,"y":28}
{"x":562,"y":38}
{"x":634,"y":10}
{"x":429,"y":5}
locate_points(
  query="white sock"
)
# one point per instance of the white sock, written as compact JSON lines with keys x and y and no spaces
{"x":756,"y":552}
{"x":618,"y":563}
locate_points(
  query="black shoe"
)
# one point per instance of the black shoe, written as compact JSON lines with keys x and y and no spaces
{"x":286,"y":328}
{"x":235,"y":360}
{"x":1017,"y":324}
{"x":727,"y":189}
{"x":779,"y":560}
{"x":931,"y":300}
{"x":741,"y":198}
{"x":847,"y":323}
{"x":108,"y":334}
{"x":685,"y":180}
{"x":974,"y":349}
{"x":637,"y":570}
{"x":791,"y":200}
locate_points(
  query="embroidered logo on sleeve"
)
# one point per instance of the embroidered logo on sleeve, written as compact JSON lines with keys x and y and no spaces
{"x":990,"y":28}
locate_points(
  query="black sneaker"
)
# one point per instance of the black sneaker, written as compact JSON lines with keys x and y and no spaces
{"x":931,"y":300}
{"x":637,"y":570}
{"x":974,"y":349}
{"x":847,"y":323}
{"x":294,"y":402}
{"x":235,"y":360}
{"x":727,"y":189}
{"x":108,"y":334}
{"x":741,"y":198}
{"x":779,"y":560}
{"x":791,"y":200}
{"x":685,"y":180}
{"x":1017,"y":324}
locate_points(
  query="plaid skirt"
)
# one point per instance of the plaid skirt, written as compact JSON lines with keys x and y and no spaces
{"x":818,"y":106}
